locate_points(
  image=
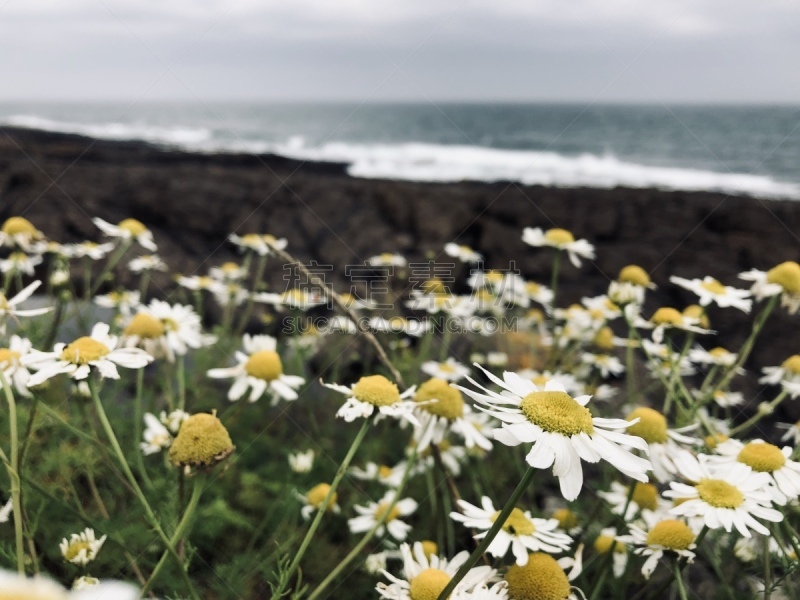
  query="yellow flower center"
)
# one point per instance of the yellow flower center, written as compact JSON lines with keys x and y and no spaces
{"x":19,"y":226}
{"x":434,"y":286}
{"x":635,"y":275}
{"x":264,"y":364}
{"x":712,"y":441}
{"x":516,"y":523}
{"x":559,"y":237}
{"x":376,"y":390}
{"x":535,"y":315}
{"x":74,"y":549}
{"x":604,"y":543}
{"x":316,"y":495}
{"x":384,"y":471}
{"x":713,"y":286}
{"x":719,"y":493}
{"x":202,"y":441}
{"x":671,"y":534}
{"x":441,"y":399}
{"x":566,"y":518}
{"x":718,"y":352}
{"x":229,"y":268}
{"x":532,"y":287}
{"x":269,"y":239}
{"x":494,"y":276}
{"x":539,"y":579}
{"x":604,"y":339}
{"x":792,"y":364}
{"x":645,"y":495}
{"x":557,"y":412}
{"x":386,"y":257}
{"x":428,"y":584}
{"x":429,"y":548}
{"x":695,"y":311}
{"x":764,"y":458}
{"x":667,"y":316}
{"x":204,"y":281}
{"x":145,"y":326}
{"x":446,"y":368}
{"x":786,"y":275}
{"x":18,"y":257}
{"x":132,"y":226}
{"x":380,"y":512}
{"x":652,"y":425}
{"x":8,"y":358}
{"x":84,"y":350}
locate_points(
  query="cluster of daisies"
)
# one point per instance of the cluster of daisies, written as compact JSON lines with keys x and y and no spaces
{"x":634,"y":429}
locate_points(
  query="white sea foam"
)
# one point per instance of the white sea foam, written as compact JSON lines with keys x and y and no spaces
{"x":445,"y":163}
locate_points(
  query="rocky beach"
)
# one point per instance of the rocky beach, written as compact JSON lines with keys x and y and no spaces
{"x":193,"y":201}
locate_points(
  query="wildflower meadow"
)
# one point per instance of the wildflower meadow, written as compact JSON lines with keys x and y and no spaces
{"x":465,"y":435}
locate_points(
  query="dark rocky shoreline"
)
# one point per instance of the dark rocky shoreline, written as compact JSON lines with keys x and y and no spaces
{"x":193,"y":201}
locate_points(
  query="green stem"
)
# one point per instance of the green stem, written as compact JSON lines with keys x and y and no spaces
{"x":180,"y":531}
{"x":490,"y":535}
{"x":367,"y":536}
{"x":151,"y":516}
{"x":679,"y":580}
{"x":767,"y":570}
{"x":181,"y":382}
{"x":138,"y":418}
{"x":112,"y":262}
{"x":13,"y":474}
{"x":324,"y":506}
{"x":760,"y":414}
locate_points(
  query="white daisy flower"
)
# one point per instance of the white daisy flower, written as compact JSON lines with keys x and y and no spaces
{"x":539,"y":293}
{"x":717,"y":356}
{"x":18,"y":231}
{"x":262,"y":244}
{"x":199,"y":282}
{"x":260,"y":368}
{"x":41,"y":588}
{"x":483,"y":591}
{"x":156,"y":436}
{"x":314,"y":499}
{"x":173,"y":420}
{"x":354,"y":301}
{"x":375,"y":393}
{"x":123,"y":301}
{"x":440,"y":409}
{"x":373,"y":512}
{"x":19,"y":262}
{"x":453,"y":456}
{"x":375,"y":563}
{"x":294,"y":298}
{"x":710,"y":290}
{"x":166,"y":330}
{"x":230,"y":294}
{"x":659,"y":536}
{"x":544,"y":577}
{"x":227,"y":272}
{"x":783,"y":279}
{"x":787,"y":375}
{"x":792,"y":432}
{"x":426,"y":576}
{"x":666,"y":318}
{"x":388,"y":476}
{"x":8,"y":306}
{"x":521,"y":532}
{"x":6,"y":511}
{"x":462,"y":253}
{"x":630,"y":286}
{"x":764,"y":458}
{"x":561,"y":239}
{"x":660,"y":359}
{"x":723,"y":399}
{"x":664,"y":444}
{"x":387,"y":259}
{"x":301,"y":462}
{"x":98,"y":350}
{"x":605,"y":364}
{"x":541,"y":378}
{"x":15,"y":372}
{"x":127,"y":230}
{"x":609,"y":541}
{"x":82,"y":548}
{"x":149,"y":262}
{"x":90,"y":250}
{"x":724,"y":497}
{"x":561,"y":428}
{"x":85,"y":582}
{"x":644,"y":500}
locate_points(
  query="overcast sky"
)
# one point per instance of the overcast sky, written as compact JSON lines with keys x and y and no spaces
{"x":378,"y":50}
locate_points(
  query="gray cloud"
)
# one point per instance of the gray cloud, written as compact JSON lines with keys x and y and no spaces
{"x":610,"y":50}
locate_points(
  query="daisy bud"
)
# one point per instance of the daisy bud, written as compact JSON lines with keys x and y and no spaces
{"x":202,"y":441}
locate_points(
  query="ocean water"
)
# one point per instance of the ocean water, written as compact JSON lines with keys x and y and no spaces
{"x":752,"y":150}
